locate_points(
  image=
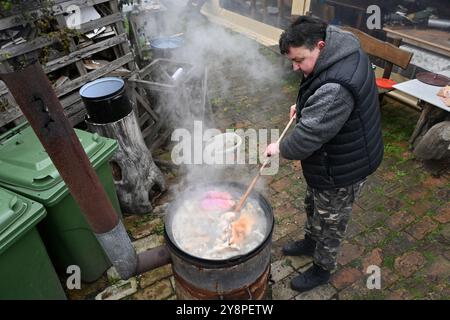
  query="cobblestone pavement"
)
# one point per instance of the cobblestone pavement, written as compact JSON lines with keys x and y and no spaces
{"x":400,"y":223}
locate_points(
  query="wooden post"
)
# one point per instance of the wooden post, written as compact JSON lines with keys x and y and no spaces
{"x":388,"y":65}
{"x":120,"y":30}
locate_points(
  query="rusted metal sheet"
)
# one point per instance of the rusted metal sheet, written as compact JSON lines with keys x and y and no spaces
{"x":152,"y":259}
{"x":40,"y":105}
{"x":253,"y":291}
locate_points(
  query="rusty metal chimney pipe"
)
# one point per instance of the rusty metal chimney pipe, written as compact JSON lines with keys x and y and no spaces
{"x":152,"y":259}
{"x":36,"y":98}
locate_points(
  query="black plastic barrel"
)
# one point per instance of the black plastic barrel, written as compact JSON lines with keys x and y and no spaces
{"x":106,"y":100}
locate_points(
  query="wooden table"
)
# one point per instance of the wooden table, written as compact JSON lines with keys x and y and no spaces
{"x":434,"y":40}
{"x":429,"y":101}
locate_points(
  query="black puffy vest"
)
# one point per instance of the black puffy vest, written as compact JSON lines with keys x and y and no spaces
{"x":357,"y":150}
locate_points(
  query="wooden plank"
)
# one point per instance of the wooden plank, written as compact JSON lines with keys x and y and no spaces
{"x":3,"y":89}
{"x":44,"y":41}
{"x":121,"y":29}
{"x":72,"y":46}
{"x":27,"y":47}
{"x":146,"y":105}
{"x":75,"y":113}
{"x":428,"y":39}
{"x":11,"y":113}
{"x":143,"y":118}
{"x":388,"y":66}
{"x":70,"y":102}
{"x":17,"y":20}
{"x":77,"y":55}
{"x":347,"y":4}
{"x":70,"y":99}
{"x":59,"y":7}
{"x":73,"y":101}
{"x":300,"y":7}
{"x":104,"y":21}
{"x":381,"y":49}
{"x":77,"y":83}
{"x":408,"y":100}
{"x":84,"y":53}
{"x":153,"y":85}
{"x":144,"y":72}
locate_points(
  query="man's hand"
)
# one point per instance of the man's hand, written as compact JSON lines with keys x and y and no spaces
{"x":293,"y":111}
{"x":272,"y":149}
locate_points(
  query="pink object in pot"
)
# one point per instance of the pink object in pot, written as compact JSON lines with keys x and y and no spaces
{"x":215,"y":200}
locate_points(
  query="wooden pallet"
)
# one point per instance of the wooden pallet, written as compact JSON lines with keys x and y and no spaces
{"x":68,"y":92}
{"x":154,"y":119}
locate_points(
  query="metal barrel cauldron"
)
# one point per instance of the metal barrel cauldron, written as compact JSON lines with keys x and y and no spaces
{"x":243,"y":277}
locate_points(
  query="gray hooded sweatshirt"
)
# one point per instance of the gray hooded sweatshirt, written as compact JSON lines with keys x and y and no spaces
{"x":326,"y":111}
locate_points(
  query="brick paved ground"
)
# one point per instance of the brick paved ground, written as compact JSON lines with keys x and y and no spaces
{"x":400,"y":223}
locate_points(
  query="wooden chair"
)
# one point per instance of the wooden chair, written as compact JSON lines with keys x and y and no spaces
{"x":389,"y":52}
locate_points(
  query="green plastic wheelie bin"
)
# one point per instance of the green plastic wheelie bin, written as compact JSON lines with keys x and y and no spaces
{"x":26,"y":271}
{"x":28,"y":170}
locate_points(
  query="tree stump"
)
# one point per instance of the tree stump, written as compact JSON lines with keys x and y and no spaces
{"x":429,"y":117}
{"x":136,"y":176}
{"x":435,"y":144}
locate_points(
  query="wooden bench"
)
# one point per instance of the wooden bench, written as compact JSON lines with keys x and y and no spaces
{"x":390,"y":53}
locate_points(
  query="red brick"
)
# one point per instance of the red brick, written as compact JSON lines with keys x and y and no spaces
{"x":393,"y":204}
{"x":432,"y":182}
{"x":447,"y":254}
{"x":345,"y":277}
{"x":145,"y":228}
{"x":389,"y":175}
{"x":407,"y":155}
{"x":282,"y":184}
{"x":439,"y":271}
{"x":374,"y":258}
{"x":422,"y":228}
{"x":400,"y":220}
{"x":443,"y":214}
{"x":285,"y":211}
{"x":357,"y":211}
{"x":348,"y":253}
{"x":421,"y":208}
{"x":388,"y":278}
{"x":400,"y":294}
{"x":409,"y":263}
{"x":417,"y":194}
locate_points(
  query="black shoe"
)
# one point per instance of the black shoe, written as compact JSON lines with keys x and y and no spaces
{"x":311,"y":278}
{"x":303,"y":247}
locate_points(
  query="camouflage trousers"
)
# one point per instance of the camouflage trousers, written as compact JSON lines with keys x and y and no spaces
{"x":328,"y":213}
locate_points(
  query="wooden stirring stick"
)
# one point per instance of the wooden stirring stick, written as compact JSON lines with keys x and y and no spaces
{"x":255,"y":179}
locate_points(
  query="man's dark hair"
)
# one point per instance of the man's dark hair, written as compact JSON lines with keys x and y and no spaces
{"x":305,"y":31}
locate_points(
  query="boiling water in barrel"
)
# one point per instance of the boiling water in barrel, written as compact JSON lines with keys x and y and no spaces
{"x":204,"y":226}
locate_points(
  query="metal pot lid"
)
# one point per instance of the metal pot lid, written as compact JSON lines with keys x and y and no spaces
{"x":433,"y":79}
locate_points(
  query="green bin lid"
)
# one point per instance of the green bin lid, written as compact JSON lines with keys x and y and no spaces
{"x":26,"y":168}
{"x":17,"y":216}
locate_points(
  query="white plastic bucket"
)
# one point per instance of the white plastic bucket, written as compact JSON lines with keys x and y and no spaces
{"x":226,"y":147}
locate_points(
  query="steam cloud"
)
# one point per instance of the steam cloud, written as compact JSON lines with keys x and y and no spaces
{"x":223,"y":53}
